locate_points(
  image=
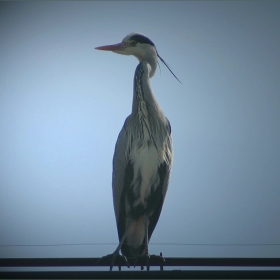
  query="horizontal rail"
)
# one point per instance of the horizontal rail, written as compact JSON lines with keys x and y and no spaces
{"x":169,"y":274}
{"x":86,"y":262}
{"x":267,"y":268}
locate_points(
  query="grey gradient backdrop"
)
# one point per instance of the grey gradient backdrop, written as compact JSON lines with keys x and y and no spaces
{"x":62,"y":105}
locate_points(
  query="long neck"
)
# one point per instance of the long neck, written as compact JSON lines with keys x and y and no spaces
{"x":143,"y":97}
{"x":149,"y":55}
{"x":152,"y":62}
{"x":150,"y":124}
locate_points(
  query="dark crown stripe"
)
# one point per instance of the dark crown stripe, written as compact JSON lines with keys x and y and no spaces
{"x":141,"y":39}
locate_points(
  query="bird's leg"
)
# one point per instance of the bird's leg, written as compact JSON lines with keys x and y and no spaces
{"x":146,"y":251}
{"x":148,"y":256}
{"x":113,"y":257}
{"x":116,"y":253}
{"x":146,"y":242}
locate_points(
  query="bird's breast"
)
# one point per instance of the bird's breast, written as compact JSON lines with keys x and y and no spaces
{"x":146,"y":154}
{"x":145,"y":166}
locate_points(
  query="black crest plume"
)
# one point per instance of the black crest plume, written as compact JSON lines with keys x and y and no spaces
{"x":168,"y":67}
{"x":145,"y":40}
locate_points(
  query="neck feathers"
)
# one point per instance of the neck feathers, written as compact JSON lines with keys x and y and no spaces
{"x":152,"y":126}
{"x":143,"y":96}
{"x":149,"y":55}
{"x":152,"y":63}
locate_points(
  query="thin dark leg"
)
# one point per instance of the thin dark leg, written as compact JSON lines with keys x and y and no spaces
{"x":146,"y":255}
{"x":116,"y":253}
{"x":146,"y":243}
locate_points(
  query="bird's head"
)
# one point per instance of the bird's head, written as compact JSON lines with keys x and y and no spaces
{"x":134,"y":44}
{"x":141,"y":47}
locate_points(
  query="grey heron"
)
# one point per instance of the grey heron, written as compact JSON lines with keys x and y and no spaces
{"x":143,"y":154}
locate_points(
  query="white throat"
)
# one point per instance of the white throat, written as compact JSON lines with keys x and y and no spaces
{"x":150,"y":57}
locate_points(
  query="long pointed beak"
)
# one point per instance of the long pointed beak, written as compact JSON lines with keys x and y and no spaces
{"x":113,"y":48}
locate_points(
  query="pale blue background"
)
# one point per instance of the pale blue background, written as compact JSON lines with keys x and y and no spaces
{"x":63,"y":103}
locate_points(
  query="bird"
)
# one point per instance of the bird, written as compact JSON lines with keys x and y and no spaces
{"x":143,"y":154}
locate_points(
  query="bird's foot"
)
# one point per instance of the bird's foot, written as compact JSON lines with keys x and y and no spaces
{"x":142,"y":259}
{"x":113,"y":257}
{"x":154,"y":259}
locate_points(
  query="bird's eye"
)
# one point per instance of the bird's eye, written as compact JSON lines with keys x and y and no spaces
{"x":133,"y":43}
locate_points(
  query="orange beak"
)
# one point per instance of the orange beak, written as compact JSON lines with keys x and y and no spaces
{"x":113,"y":48}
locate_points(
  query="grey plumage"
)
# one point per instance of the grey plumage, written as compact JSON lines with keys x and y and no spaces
{"x":143,"y":154}
{"x":141,"y":164}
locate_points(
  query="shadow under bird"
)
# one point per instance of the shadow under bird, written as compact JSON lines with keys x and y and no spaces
{"x":143,"y":155}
